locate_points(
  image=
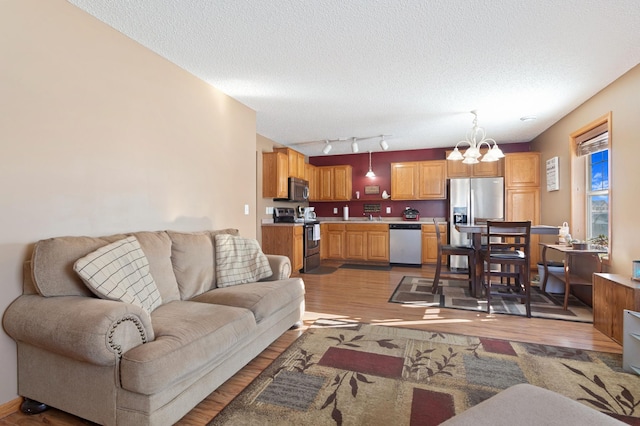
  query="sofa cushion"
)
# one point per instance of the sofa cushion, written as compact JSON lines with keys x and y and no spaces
{"x":263,"y":298}
{"x":52,"y":265}
{"x":189,"y":336}
{"x":192,"y":259}
{"x":157,"y":247}
{"x":239,"y":260}
{"x":120,"y":271}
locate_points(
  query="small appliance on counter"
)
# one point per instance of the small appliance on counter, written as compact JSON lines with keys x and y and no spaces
{"x":284,"y":215}
{"x":410,"y":214}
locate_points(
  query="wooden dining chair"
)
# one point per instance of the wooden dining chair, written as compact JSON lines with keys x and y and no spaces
{"x":448,"y":250}
{"x":506,"y":270}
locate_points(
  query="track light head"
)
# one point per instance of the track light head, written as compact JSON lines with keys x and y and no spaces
{"x":354,"y":145}
{"x":383,"y":144}
{"x":326,"y":148}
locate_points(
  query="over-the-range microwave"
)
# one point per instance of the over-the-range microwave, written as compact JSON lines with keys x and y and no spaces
{"x":298,"y":191}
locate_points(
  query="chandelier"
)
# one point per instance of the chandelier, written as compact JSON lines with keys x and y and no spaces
{"x":475,"y":138}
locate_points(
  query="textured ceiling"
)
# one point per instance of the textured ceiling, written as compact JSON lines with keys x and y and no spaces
{"x":412,"y":69}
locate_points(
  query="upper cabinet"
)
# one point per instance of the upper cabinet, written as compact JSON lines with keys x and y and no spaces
{"x":275,"y":174}
{"x":419,"y":180}
{"x":311,"y":176}
{"x":522,"y":169}
{"x":295,"y":161}
{"x":334,"y":183}
{"x":457,"y":169}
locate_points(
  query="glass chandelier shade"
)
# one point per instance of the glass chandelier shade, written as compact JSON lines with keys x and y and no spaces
{"x":475,"y":138}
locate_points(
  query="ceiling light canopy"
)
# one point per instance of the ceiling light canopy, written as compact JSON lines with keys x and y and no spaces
{"x":475,"y":138}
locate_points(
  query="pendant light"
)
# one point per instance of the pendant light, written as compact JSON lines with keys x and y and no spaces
{"x":370,"y":173}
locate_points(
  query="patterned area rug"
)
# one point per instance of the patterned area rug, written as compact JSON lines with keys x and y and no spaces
{"x":360,"y":374}
{"x":455,"y":294}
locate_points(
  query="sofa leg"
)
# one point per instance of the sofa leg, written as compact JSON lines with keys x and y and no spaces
{"x":29,"y":406}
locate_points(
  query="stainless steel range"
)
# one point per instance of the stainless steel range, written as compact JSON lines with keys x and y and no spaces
{"x":310,"y":236}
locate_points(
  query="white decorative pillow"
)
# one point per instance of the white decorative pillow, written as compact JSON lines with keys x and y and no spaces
{"x":239,"y":260}
{"x":120,"y":271}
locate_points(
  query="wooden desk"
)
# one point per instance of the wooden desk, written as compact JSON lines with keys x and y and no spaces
{"x":476,"y":232}
{"x":612,"y":294}
{"x":571,"y":276}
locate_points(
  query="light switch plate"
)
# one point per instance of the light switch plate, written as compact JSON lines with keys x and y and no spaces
{"x":269,"y":210}
{"x":335,"y":210}
{"x":246,"y":209}
{"x":388,"y":210}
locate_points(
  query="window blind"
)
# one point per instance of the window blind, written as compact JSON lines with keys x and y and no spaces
{"x":595,"y":140}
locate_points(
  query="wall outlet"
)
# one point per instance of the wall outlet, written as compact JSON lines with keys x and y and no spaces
{"x":246,"y":209}
{"x":388,"y":210}
{"x":269,"y":210}
{"x":335,"y":210}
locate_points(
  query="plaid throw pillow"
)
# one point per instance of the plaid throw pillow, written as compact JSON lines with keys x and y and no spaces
{"x":239,"y":260}
{"x":120,"y":271}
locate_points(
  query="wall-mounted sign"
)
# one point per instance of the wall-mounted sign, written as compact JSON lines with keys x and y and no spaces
{"x":372,"y":208}
{"x":372,"y":189}
{"x":553,"y":178}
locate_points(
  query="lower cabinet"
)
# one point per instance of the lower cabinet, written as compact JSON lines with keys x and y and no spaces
{"x":612,"y":294}
{"x":430,"y":242}
{"x":364,"y":242}
{"x":285,"y":240}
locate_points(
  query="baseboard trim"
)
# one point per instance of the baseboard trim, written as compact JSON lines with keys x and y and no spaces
{"x":10,"y":407}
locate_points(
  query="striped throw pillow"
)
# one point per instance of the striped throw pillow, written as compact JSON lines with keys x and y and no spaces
{"x":239,"y":260}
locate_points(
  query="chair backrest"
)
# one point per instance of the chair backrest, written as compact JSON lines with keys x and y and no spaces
{"x":438,"y":240}
{"x":509,"y":237}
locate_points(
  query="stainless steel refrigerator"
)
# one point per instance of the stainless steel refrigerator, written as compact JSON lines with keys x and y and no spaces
{"x":472,"y":200}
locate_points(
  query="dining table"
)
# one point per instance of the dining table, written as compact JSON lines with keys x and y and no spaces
{"x":476,"y":231}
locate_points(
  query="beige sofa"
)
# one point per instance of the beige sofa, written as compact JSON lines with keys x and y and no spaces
{"x":114,"y":363}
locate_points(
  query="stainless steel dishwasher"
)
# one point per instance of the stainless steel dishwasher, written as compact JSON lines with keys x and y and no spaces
{"x":405,"y":243}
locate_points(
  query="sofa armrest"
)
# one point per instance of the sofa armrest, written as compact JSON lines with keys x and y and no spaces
{"x":280,"y":266}
{"x":88,"y":329}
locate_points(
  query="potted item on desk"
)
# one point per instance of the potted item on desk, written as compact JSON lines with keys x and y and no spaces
{"x":579,"y":245}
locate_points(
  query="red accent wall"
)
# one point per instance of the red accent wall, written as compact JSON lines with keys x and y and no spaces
{"x":381,"y":165}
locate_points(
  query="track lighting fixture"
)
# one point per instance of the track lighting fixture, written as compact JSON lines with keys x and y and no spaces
{"x":327,"y":147}
{"x":383,"y":144}
{"x":354,"y":145}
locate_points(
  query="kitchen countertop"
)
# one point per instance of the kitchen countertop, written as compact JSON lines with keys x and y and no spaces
{"x":385,"y":220}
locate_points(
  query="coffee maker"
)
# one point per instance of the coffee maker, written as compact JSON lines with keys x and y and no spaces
{"x":309,"y":214}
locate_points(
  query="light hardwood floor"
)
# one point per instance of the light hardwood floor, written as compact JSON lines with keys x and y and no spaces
{"x":363,"y":296}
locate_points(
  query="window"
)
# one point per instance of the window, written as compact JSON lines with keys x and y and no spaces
{"x":597,"y":194}
{"x":590,"y":183}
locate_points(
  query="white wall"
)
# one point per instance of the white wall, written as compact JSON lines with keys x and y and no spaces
{"x":99,"y":135}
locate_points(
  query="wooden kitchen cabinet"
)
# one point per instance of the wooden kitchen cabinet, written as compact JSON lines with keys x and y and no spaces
{"x":457,"y":169}
{"x":275,"y":174}
{"x":430,"y":242}
{"x":612,"y":294}
{"x":357,"y":241}
{"x":295,"y":161}
{"x":419,"y":180}
{"x":335,"y":183}
{"x":522,"y":169}
{"x":311,"y":176}
{"x":522,"y":193}
{"x":332,"y":242}
{"x":432,"y":180}
{"x":284,"y":240}
{"x":404,"y":181}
